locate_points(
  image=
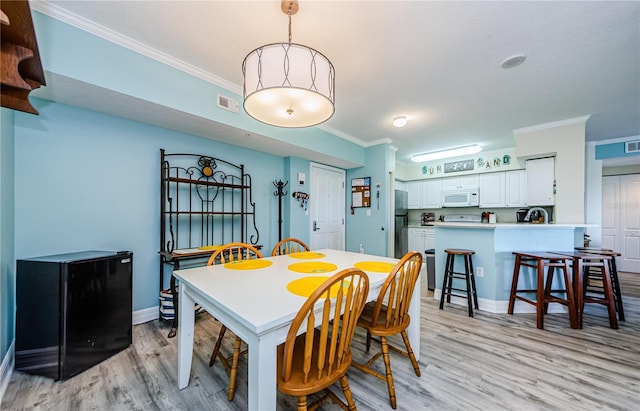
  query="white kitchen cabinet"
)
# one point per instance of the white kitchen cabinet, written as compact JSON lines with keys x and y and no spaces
{"x":400,"y":185}
{"x":515,"y":188}
{"x":414,"y":199}
{"x":431,"y":193}
{"x":460,"y":182}
{"x":541,"y":181}
{"x":492,"y":190}
{"x":421,"y":239}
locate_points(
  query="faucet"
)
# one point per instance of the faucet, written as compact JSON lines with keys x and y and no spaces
{"x":544,"y":213}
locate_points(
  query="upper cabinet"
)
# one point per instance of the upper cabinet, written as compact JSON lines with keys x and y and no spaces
{"x":515,"y":188}
{"x":541,"y":181}
{"x":492,"y":190}
{"x":424,"y":194}
{"x":414,"y":199}
{"x":460,"y":182}
{"x":432,"y":193}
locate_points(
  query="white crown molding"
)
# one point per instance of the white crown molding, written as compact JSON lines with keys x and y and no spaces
{"x":554,"y":124}
{"x":96,"y":29}
{"x":353,"y":139}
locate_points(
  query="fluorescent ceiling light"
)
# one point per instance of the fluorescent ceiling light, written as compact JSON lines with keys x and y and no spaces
{"x":454,"y":152}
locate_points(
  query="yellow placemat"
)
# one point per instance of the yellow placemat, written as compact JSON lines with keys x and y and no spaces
{"x":307,"y":255}
{"x":376,"y":266}
{"x":248,"y":264}
{"x":312,"y":267}
{"x":304,"y":287}
{"x":209,"y":247}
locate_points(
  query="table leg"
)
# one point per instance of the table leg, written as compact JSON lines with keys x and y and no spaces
{"x":176,"y":309}
{"x":540,"y":295}
{"x":263,"y":386}
{"x":578,"y":278}
{"x":185,"y":337}
{"x":413,"y":330}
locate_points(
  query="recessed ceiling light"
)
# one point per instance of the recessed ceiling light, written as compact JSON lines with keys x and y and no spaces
{"x":513,"y":61}
{"x":400,"y":121}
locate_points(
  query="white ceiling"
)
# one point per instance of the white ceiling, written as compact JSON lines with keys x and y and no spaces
{"x":436,"y":62}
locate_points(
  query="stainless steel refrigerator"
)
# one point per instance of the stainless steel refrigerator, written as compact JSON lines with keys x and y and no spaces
{"x":401,"y":237}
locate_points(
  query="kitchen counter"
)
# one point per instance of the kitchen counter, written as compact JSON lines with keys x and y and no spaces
{"x":517,"y":226}
{"x":494,"y":245}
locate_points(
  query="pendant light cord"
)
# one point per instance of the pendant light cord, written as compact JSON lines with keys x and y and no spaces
{"x":289,"y":13}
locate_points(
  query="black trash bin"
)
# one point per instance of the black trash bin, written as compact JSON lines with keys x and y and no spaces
{"x":431,"y":268}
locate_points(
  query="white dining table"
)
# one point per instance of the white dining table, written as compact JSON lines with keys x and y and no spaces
{"x":256,"y":305}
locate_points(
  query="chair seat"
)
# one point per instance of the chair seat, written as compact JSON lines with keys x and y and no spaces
{"x":381,"y":328}
{"x":296,"y":386}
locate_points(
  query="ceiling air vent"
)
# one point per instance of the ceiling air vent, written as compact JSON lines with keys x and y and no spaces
{"x":228,"y":103}
{"x":632,"y":146}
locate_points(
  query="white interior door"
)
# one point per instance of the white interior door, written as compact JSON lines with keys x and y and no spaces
{"x":327,"y":207}
{"x":630,"y":223}
{"x":621,"y":219}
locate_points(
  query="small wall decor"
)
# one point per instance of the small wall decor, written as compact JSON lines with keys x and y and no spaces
{"x":464,"y":165}
{"x":302,"y":197}
{"x":361,"y":192}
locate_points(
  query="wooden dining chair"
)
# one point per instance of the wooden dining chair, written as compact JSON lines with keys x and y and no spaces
{"x":288,"y":246}
{"x":226,"y":253}
{"x":389,"y":315}
{"x":321,"y":355}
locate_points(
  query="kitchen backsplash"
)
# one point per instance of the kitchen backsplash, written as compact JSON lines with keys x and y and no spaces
{"x":503,"y":215}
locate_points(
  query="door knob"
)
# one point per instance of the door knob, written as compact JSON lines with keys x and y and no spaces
{"x":315,"y":226}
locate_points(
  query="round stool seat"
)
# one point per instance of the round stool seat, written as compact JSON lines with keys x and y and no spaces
{"x":459,"y":251}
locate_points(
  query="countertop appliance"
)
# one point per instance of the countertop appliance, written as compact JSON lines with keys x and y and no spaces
{"x":521,"y":214}
{"x":462,"y":218}
{"x":73,"y":311}
{"x":461,"y":198}
{"x":401,"y":224}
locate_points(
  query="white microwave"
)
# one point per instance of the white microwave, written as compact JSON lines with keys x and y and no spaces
{"x":461,"y":198}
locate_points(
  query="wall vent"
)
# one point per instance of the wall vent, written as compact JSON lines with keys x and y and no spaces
{"x":228,"y":103}
{"x":632,"y":146}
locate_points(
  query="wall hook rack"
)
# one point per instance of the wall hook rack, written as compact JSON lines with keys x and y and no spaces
{"x":280,"y":185}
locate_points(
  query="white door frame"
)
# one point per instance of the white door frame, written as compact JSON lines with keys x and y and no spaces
{"x":337,"y":202}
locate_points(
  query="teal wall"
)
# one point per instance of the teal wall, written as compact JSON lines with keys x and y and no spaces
{"x":298,"y":224}
{"x":370,"y":231}
{"x":7,"y":210}
{"x":614,"y":150}
{"x":86,"y":180}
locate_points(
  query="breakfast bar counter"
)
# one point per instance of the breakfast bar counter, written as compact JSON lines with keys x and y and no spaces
{"x":494,"y":245}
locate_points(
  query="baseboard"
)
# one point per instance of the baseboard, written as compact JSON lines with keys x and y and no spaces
{"x":501,"y":307}
{"x":145,"y":315}
{"x":6,"y":369}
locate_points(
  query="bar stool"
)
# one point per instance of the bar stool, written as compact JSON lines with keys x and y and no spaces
{"x":541,"y":260}
{"x":588,"y":266}
{"x":467,"y":275}
{"x":613,"y":270}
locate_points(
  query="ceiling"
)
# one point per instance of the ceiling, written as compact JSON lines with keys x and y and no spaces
{"x":438,"y":63}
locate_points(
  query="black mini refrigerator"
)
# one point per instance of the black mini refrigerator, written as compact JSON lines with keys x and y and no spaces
{"x":73,"y":311}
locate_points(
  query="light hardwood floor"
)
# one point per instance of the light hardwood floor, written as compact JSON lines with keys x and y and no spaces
{"x":490,"y":362}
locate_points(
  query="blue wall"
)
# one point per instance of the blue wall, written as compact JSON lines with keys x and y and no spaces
{"x":371,"y":231}
{"x":86,"y":180}
{"x":7,"y":265}
{"x":614,"y":150}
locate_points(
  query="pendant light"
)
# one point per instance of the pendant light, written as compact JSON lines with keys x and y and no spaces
{"x":288,"y":84}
